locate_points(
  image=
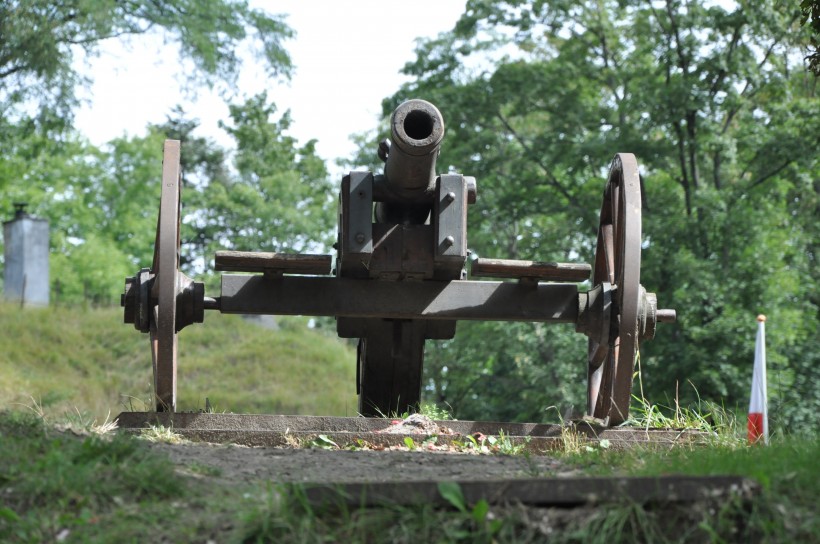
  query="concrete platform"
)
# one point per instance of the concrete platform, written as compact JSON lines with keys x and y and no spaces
{"x":560,"y":492}
{"x":289,"y":431}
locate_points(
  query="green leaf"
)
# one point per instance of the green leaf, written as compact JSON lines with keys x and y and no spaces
{"x":323,"y":442}
{"x":451,"y":492}
{"x":480,"y":510}
{"x":8,"y":514}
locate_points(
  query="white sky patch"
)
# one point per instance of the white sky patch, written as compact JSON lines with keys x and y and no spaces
{"x":347,"y":57}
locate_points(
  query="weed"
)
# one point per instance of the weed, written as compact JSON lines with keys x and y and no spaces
{"x":572,"y":442}
{"x":357,"y":445}
{"x":623,"y":522}
{"x":59,"y":484}
{"x":322,"y":442}
{"x":427,"y":409}
{"x":479,"y":512}
{"x":85,"y":423}
{"x":429,"y":441}
{"x":160,"y":433}
{"x":505,"y":445}
{"x":435,"y":412}
{"x":203,"y":469}
{"x":284,"y":514}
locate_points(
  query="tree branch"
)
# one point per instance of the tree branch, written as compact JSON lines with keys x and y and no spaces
{"x":762,"y":179}
{"x":551,"y":179}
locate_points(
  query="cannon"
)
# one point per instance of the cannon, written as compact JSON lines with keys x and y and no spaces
{"x":399,"y":276}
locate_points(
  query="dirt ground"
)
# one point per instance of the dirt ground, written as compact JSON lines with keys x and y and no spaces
{"x":244,"y":464}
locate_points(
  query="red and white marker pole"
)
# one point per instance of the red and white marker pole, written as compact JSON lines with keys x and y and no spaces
{"x":758,"y":426}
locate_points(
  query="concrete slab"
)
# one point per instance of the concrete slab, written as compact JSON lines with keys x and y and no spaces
{"x":285,"y":431}
{"x":562,"y":492}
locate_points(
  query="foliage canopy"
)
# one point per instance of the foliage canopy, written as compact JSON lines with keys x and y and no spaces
{"x":41,"y":39}
{"x":716,"y":105}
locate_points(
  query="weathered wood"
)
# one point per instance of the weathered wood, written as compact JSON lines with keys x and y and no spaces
{"x":287,"y":263}
{"x":541,"y":492}
{"x":331,"y":296}
{"x":507,"y":268}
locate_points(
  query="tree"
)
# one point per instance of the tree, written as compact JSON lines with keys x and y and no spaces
{"x":102,"y":204}
{"x":278,"y":197}
{"x":810,"y":10}
{"x":282,"y":188}
{"x":538,"y":96}
{"x":41,"y":39}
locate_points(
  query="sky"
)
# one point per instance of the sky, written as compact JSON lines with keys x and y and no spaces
{"x":347,"y":56}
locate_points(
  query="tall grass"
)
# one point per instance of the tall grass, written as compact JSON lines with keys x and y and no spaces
{"x":65,"y":359}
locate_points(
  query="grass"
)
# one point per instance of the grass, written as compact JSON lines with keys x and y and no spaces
{"x":87,"y":361}
{"x":68,"y":478}
{"x":62,"y":486}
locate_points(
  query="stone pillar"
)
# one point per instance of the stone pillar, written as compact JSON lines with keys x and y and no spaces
{"x":26,"y":259}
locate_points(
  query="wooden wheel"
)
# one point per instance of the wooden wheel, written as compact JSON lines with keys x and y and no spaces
{"x":390,"y":362}
{"x":618,"y":263}
{"x":161,"y":300}
{"x":163,"y":325}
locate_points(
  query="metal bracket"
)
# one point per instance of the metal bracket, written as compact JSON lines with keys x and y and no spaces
{"x":450,"y":222}
{"x":355,"y":224}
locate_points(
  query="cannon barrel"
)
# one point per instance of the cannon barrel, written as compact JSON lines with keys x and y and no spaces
{"x":416,"y":130}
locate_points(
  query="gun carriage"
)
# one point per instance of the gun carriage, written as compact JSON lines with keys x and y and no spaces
{"x":400,"y":276}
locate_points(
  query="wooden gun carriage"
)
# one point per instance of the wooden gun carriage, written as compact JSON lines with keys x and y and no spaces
{"x":400,"y":277}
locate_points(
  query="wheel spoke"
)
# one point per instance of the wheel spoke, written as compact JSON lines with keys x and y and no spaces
{"x":609,"y":252}
{"x":595,"y":376}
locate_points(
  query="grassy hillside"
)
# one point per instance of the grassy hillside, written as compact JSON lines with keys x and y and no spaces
{"x":63,"y":359}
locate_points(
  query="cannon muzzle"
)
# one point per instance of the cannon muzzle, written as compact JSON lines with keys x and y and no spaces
{"x":417,"y":129}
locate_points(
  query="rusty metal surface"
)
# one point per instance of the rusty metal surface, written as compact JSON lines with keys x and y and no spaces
{"x":355,"y":236}
{"x":416,"y":130}
{"x":476,"y":300}
{"x":563,"y":492}
{"x":450,"y":222}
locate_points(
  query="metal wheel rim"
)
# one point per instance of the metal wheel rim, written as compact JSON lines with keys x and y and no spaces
{"x":617,"y":260}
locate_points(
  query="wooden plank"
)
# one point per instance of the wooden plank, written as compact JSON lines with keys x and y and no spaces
{"x":543,"y":271}
{"x":457,"y":299}
{"x":259,"y":261}
{"x":561,"y":492}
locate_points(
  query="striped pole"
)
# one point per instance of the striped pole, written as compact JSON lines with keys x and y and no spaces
{"x":758,"y":425}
